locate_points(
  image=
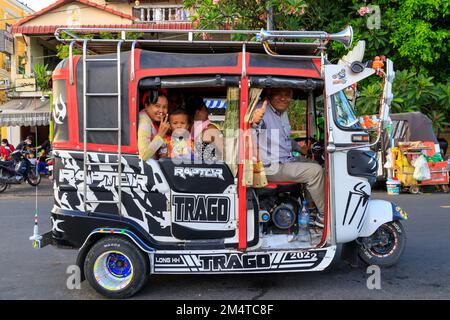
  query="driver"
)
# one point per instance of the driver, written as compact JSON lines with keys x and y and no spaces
{"x":281,"y":164}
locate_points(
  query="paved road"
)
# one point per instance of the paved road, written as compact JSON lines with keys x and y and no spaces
{"x":423,"y":272}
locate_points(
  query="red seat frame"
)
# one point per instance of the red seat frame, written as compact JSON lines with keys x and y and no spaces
{"x":275,"y":184}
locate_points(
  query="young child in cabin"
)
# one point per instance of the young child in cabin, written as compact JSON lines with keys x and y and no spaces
{"x":179,"y":144}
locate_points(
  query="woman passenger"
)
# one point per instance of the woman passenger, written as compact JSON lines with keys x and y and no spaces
{"x":206,"y":135}
{"x":153,"y":124}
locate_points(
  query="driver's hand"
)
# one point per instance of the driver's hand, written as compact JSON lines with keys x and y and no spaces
{"x":259,"y":113}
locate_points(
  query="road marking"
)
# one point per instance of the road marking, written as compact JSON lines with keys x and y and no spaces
{"x":445,"y":207}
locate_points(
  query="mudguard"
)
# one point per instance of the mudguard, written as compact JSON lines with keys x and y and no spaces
{"x":378,"y":213}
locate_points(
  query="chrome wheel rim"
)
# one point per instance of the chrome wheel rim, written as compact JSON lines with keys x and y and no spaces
{"x":113,"y":270}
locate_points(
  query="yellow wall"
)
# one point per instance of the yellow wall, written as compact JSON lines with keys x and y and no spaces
{"x":9,"y":14}
{"x":6,"y":10}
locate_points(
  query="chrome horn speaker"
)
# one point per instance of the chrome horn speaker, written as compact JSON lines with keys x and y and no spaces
{"x":345,"y":36}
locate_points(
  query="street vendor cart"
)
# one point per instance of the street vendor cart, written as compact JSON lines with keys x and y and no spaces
{"x":405,"y":156}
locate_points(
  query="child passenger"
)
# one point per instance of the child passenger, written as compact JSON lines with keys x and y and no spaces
{"x":179,"y":145}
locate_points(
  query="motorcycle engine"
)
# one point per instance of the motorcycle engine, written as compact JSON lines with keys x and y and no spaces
{"x":280,"y":214}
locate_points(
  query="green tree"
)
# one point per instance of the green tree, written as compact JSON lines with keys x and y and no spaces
{"x":421,"y":35}
{"x":414,"y":34}
{"x":245,"y":14}
{"x":42,"y":76}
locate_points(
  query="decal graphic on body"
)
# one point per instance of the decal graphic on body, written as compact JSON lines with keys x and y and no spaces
{"x":55,"y":223}
{"x":201,"y":209}
{"x":340,"y":77}
{"x":105,"y":178}
{"x":144,"y":197}
{"x":200,"y":172}
{"x":357,"y":199}
{"x":238,"y":262}
{"x":59,"y":114}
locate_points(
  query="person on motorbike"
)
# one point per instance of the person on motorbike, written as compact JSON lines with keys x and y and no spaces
{"x":26,"y":145}
{"x":6,"y":150}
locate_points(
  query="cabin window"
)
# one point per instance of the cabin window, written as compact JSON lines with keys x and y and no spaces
{"x":209,"y":105}
{"x":344,"y":112}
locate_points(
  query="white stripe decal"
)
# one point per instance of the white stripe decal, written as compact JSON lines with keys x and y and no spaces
{"x":173,"y":270}
{"x":301,"y":265}
{"x":189,"y":262}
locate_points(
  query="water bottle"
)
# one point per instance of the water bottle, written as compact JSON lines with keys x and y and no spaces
{"x":303,"y":223}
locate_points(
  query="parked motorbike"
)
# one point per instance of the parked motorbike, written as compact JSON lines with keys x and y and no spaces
{"x":18,"y":170}
{"x":49,"y":162}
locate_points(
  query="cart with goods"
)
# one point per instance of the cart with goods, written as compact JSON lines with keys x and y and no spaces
{"x":417,"y":164}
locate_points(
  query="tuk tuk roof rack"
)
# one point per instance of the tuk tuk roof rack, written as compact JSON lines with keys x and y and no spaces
{"x":264,"y":40}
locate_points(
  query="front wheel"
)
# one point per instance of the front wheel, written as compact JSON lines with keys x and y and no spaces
{"x":33,"y":178}
{"x":385,"y":247}
{"x":116,"y":268}
{"x":3,"y":186}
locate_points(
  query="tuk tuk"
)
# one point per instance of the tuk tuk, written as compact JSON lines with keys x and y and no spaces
{"x":130,"y":218}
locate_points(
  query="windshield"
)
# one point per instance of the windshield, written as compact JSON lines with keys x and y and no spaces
{"x":345,"y":114}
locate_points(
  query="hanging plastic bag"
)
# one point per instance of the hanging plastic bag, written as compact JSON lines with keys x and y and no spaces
{"x":422,"y":171}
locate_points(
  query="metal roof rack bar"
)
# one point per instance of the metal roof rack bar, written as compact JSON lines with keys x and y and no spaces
{"x":67,"y":30}
{"x":260,"y":35}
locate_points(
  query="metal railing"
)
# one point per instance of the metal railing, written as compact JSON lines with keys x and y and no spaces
{"x":161,"y":14}
{"x":263,"y":37}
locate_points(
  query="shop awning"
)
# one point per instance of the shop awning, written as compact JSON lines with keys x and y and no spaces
{"x":25,"y":112}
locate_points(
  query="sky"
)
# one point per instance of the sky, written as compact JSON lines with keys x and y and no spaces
{"x":37,"y":5}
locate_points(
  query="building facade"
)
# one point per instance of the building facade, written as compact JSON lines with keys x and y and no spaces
{"x":11,"y":11}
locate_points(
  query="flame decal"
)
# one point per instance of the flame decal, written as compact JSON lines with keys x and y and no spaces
{"x":59,"y":114}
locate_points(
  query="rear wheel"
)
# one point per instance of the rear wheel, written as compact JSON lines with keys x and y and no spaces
{"x":116,"y":268}
{"x":385,"y":247}
{"x":33,"y":177}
